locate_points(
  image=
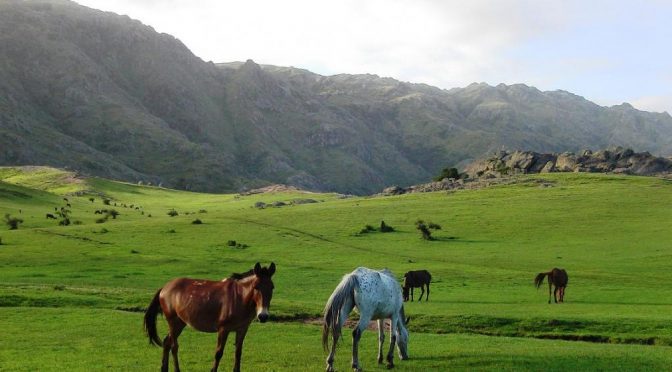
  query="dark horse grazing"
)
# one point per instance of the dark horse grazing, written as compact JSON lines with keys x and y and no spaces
{"x":223,"y":306}
{"x":556,"y":277}
{"x":415,"y":279}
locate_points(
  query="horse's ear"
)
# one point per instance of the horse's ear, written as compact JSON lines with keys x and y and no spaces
{"x":271,"y":269}
{"x":257,"y":268}
{"x":408,"y":320}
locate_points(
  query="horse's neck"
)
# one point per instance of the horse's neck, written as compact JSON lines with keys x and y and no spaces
{"x":245,"y":287}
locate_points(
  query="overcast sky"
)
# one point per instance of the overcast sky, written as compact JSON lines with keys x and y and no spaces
{"x":607,"y":51}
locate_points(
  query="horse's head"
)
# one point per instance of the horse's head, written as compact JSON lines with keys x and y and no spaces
{"x":405,"y":293}
{"x":402,"y":338}
{"x":263,"y":290}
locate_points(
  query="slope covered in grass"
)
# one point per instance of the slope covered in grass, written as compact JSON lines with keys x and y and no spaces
{"x":611,"y":233}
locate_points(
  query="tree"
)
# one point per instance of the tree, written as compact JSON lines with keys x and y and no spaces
{"x":448,"y":173}
{"x":426,"y":234}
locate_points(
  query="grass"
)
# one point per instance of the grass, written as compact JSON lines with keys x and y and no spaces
{"x":608,"y":232}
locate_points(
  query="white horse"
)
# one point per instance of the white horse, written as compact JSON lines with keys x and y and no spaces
{"x":377,"y":296}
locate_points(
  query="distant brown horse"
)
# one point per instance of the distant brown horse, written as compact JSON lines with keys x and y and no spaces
{"x":223,"y":306}
{"x":556,"y":277}
{"x":415,"y":279}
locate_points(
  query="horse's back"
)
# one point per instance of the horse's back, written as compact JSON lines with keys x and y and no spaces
{"x":417,"y":277}
{"x":377,"y":291}
{"x":199,"y":303}
{"x":560,"y":277}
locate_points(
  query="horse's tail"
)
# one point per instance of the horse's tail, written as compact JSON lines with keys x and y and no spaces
{"x":153,"y":310}
{"x":343,"y":295}
{"x":539,"y":279}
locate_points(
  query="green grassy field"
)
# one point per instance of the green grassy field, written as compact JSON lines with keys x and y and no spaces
{"x":71,"y":296}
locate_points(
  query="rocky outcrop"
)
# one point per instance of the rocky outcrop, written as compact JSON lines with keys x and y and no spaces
{"x":612,"y":160}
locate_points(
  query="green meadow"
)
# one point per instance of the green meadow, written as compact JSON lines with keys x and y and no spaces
{"x":71,"y":297}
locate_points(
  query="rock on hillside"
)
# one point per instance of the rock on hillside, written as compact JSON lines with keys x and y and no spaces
{"x":615,"y":159}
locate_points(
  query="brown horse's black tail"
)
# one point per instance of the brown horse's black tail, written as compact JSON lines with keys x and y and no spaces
{"x":539,"y":280}
{"x":153,"y":310}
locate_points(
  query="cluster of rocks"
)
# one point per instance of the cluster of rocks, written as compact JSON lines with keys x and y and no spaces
{"x":612,"y":160}
{"x":498,"y":168}
{"x":279,"y":203}
{"x":444,"y":184}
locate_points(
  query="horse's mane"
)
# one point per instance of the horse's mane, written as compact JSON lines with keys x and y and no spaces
{"x":239,"y":276}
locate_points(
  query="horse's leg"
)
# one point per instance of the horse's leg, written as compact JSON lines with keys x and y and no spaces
{"x":336,"y":332}
{"x":381,"y":339}
{"x":364,"y":319}
{"x":427,"y":298}
{"x":222,"y":334}
{"x":240,"y":337}
{"x":422,"y":289}
{"x":555,"y":294}
{"x":167,"y":342}
{"x":176,"y":328}
{"x":393,"y":341}
{"x":549,"y":290}
{"x":411,"y":294}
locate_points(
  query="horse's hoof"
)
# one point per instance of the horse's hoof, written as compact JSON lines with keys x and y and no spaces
{"x":390,"y":366}
{"x":330,"y":369}
{"x":380,"y":360}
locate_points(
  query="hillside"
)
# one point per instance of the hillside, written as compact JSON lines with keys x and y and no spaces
{"x":105,"y":95}
{"x":483,"y":314}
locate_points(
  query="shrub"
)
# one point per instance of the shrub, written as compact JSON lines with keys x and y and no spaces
{"x":59,"y":287}
{"x":92,"y":200}
{"x":367,"y":229}
{"x":196,"y":222}
{"x":133,"y":251}
{"x":77,"y":222}
{"x":172,"y":213}
{"x":260,"y":205}
{"x":202,"y":211}
{"x":107,"y":201}
{"x":113,"y":213}
{"x":231,"y":243}
{"x":424,"y":230}
{"x":104,"y":231}
{"x":434,"y":226}
{"x":12,"y":222}
{"x":385,"y":228}
{"x":448,"y":173}
{"x":101,"y":220}
{"x":172,"y":231}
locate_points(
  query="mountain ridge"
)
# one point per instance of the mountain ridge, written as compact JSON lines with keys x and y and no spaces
{"x":108,"y":96}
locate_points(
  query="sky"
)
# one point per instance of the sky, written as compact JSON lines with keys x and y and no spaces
{"x":609,"y":52}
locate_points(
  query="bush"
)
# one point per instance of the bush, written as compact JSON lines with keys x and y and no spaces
{"x":367,"y":229}
{"x":64,"y":222}
{"x":202,"y":211}
{"x":172,"y":213}
{"x":172,"y":231}
{"x":231,"y":243}
{"x":12,"y":222}
{"x":384,"y":228}
{"x":92,"y":200}
{"x":424,"y":230}
{"x":448,"y":173}
{"x":101,"y":220}
{"x":77,"y":222}
{"x":113,"y":213}
{"x":106,"y":201}
{"x":196,"y":222}
{"x":434,"y":226}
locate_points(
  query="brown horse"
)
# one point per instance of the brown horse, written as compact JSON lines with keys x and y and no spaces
{"x":415,"y":279}
{"x":556,"y":277}
{"x":223,"y":306}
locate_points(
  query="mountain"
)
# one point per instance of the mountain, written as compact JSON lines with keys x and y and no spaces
{"x":106,"y":95}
